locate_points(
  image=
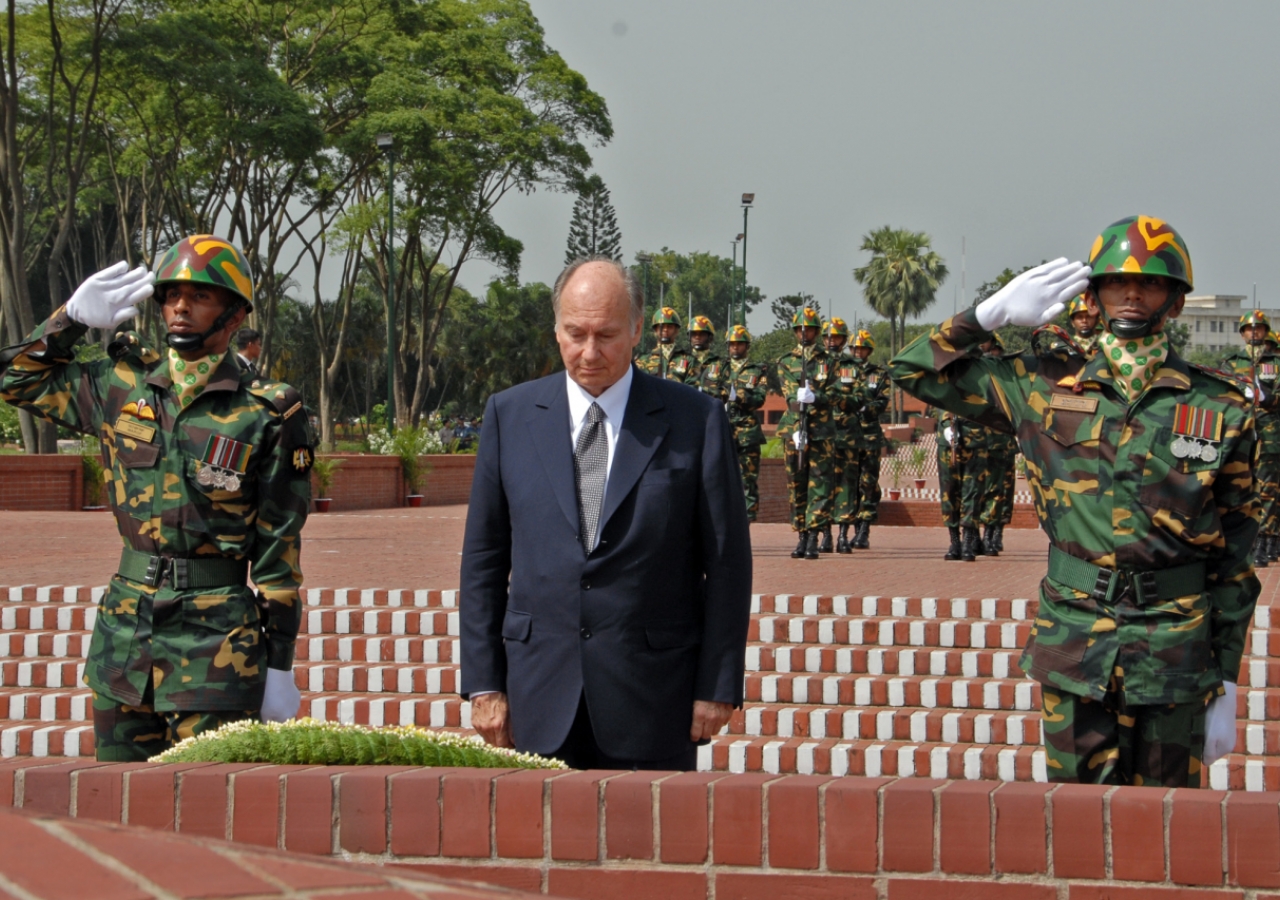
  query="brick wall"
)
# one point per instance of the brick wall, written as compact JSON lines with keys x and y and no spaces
{"x":692,"y":835}
{"x":48,"y":482}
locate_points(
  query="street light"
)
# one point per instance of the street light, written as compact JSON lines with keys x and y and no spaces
{"x":747,"y":200}
{"x":387,"y":144}
{"x":734,"y":290}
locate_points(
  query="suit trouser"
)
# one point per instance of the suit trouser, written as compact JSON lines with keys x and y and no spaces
{"x":580,"y":750}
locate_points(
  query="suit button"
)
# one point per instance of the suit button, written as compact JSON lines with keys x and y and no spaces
{"x":586,"y":634}
{"x":586,"y":584}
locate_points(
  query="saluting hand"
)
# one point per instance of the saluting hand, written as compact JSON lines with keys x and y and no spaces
{"x":109,"y":298}
{"x":1035,"y":297}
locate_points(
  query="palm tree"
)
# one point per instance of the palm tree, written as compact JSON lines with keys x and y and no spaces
{"x":901,"y":280}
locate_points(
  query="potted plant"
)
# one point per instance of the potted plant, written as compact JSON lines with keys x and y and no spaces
{"x":895,"y":471}
{"x":407,"y":445}
{"x":94,"y":477}
{"x":916,"y":462}
{"x":324,"y":467}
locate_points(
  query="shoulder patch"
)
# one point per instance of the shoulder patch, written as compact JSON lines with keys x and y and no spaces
{"x":287,"y":403}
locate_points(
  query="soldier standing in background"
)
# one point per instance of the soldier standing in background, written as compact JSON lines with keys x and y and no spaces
{"x":846,"y":406}
{"x":1142,"y":470}
{"x":806,"y":430}
{"x":875,"y":397}
{"x":748,"y":384}
{"x":712,"y":371}
{"x":1081,"y":341}
{"x":1258,"y":363}
{"x":998,"y":476}
{"x":961,"y":460}
{"x":209,"y":479}
{"x":666,"y":360}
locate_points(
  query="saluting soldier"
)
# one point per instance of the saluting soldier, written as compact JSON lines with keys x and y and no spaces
{"x":666,"y":360}
{"x":1141,"y":468}
{"x":807,"y":429}
{"x":208,"y":473}
{"x":846,"y":406}
{"x":1081,"y":341}
{"x":1258,"y":363}
{"x":875,"y":398}
{"x":712,"y":370}
{"x":748,"y":385}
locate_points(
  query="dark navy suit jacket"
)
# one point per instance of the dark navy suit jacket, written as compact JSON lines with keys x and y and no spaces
{"x":654,"y":618}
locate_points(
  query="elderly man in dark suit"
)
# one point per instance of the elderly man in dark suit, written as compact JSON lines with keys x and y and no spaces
{"x":606,"y":570}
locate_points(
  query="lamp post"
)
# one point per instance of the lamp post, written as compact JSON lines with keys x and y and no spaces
{"x":733,"y":293}
{"x":747,"y":200}
{"x":387,"y":144}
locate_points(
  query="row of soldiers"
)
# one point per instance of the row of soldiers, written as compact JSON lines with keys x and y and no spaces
{"x":831,"y":435}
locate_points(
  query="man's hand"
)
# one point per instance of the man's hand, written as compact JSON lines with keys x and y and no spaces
{"x":109,"y":298}
{"x":1035,"y":297}
{"x":490,"y":716}
{"x":1220,"y":725}
{"x":805,"y":394}
{"x":708,"y":718}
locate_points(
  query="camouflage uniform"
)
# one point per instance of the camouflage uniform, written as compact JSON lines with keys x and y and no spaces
{"x":1259,"y":368}
{"x":748,"y":384}
{"x":960,"y":467}
{"x":672,"y":362}
{"x":1112,"y":495}
{"x":168,"y":659}
{"x":712,"y":374}
{"x":811,"y":497}
{"x":847,"y":398}
{"x":997,"y":484}
{"x":875,"y":399}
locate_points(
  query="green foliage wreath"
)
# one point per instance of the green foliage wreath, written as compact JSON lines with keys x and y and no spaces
{"x":310,"y":742}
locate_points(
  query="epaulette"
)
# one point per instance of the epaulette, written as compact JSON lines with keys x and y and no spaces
{"x":1240,"y":384}
{"x":295,"y":434}
{"x":130,"y":343}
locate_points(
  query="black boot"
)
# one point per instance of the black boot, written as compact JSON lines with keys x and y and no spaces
{"x":861,"y":540}
{"x":811,"y":545}
{"x":798,"y":553}
{"x":953,"y":552}
{"x":842,"y":545}
{"x":971,"y":546}
{"x":999,"y":538}
{"x":825,"y":546}
{"x":1273,"y":548}
{"x":1260,"y":547}
{"x":978,"y":548}
{"x":989,"y":541}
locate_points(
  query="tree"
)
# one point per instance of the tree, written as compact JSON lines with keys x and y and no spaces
{"x":698,"y":284}
{"x":901,"y":280}
{"x":786,"y":306}
{"x":593,"y":230}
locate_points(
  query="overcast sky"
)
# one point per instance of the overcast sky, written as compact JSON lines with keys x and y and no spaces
{"x":1023,"y":127}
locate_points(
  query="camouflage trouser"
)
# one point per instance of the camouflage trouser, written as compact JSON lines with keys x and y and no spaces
{"x":997,"y":490}
{"x":1005,"y":515}
{"x":1266,"y":478}
{"x":811,"y":498}
{"x":869,"y":481}
{"x":749,"y":466}
{"x":960,"y":487}
{"x":1108,"y":741}
{"x":136,"y":733}
{"x":848,"y":484}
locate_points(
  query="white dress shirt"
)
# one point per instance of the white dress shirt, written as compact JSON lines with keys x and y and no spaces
{"x":613,"y":402}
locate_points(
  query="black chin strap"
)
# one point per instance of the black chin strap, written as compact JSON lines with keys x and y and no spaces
{"x":1131,"y":329}
{"x":189,"y":343}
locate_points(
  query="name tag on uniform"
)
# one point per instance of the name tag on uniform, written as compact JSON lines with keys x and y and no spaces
{"x":132,"y":428}
{"x":1074,"y":403}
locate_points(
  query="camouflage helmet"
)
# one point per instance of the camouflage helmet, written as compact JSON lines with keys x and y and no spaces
{"x":835,"y":328}
{"x":806,"y":318}
{"x":1144,"y":245}
{"x":1254,"y":317}
{"x":206,"y":259}
{"x":701,"y":323}
{"x":1077,"y":306}
{"x":666,"y":316}
{"x":864,"y":339}
{"x":738,"y":334}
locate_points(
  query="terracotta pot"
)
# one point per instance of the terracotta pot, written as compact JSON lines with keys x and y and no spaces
{"x":894,"y":493}
{"x":920,"y":483}
{"x":414,"y":500}
{"x":94,"y":508}
{"x":322,"y":503}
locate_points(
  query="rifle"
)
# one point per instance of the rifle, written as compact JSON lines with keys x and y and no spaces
{"x":802,"y":461}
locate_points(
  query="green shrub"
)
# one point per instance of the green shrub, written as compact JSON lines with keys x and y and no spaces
{"x":314,"y":743}
{"x":772,"y":449}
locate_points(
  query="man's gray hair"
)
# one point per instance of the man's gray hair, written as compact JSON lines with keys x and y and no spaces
{"x":629,"y":281}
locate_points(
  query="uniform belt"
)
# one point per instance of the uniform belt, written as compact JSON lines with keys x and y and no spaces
{"x":182,"y":574}
{"x":1107,"y":584}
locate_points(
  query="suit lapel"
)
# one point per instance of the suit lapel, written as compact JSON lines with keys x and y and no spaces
{"x":549,"y":430}
{"x":638,"y":440}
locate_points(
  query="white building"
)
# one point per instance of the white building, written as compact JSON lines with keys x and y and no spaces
{"x":1214,"y":319}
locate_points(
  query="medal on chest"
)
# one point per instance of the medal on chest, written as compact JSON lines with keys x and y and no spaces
{"x":1196,"y":433}
{"x":223,"y":463}
{"x":1268,"y":371}
{"x":846,"y":376}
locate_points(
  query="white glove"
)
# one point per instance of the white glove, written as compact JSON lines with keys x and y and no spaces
{"x":948,"y":434}
{"x":800,"y":439}
{"x":805,"y":394}
{"x":1035,"y":297}
{"x":110,"y":298}
{"x":733,"y":394}
{"x":281,"y":701}
{"x":1220,"y":725}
